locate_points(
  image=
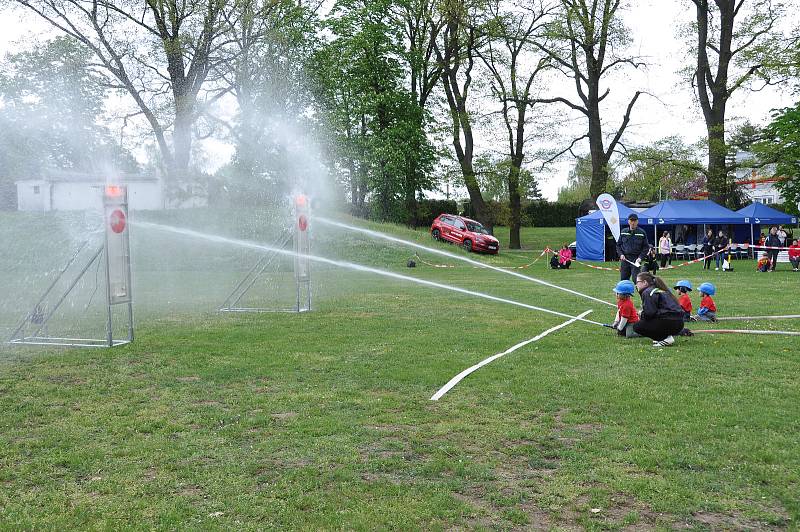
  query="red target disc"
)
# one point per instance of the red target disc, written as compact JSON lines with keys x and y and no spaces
{"x":117,"y":221}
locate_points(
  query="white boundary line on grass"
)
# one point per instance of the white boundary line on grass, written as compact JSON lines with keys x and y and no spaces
{"x":786,"y":317}
{"x":455,"y":380}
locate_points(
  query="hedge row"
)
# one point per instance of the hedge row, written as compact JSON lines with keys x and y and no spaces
{"x":537,"y":213}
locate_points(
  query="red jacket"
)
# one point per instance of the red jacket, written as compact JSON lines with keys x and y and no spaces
{"x":708,"y":303}
{"x":794,"y":251}
{"x":686,"y":302}
{"x":627,"y":310}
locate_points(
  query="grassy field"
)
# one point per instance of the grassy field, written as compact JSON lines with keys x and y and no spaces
{"x":322,"y":420}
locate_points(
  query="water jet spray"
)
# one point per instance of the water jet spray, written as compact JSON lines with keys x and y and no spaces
{"x":457,"y":257}
{"x":357,"y":267}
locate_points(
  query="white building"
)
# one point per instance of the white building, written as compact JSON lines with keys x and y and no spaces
{"x":758,"y":184}
{"x":69,"y":191}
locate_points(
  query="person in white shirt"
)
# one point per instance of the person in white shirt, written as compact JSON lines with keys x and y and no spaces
{"x":665,"y":249}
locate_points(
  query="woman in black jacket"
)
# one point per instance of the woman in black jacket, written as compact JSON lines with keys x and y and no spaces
{"x":773,"y":241}
{"x":662,"y":315}
{"x":720,"y":244}
{"x":708,"y":249}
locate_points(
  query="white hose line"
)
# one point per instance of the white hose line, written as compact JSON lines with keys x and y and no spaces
{"x":457,"y":257}
{"x":738,"y":318}
{"x":353,"y":266}
{"x":743,"y":331}
{"x":455,"y":380}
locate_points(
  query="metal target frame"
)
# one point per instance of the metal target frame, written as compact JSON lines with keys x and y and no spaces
{"x":116,"y":256}
{"x":302,"y":266}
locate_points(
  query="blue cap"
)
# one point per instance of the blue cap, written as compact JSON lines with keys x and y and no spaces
{"x":707,"y":288}
{"x":624,"y":287}
{"x":683,"y":283}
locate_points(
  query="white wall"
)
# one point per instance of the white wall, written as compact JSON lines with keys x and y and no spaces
{"x":33,"y":196}
{"x":83,"y":195}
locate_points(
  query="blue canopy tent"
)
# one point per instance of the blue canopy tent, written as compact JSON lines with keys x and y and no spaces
{"x":758,"y":214}
{"x":689,"y":212}
{"x":590,"y":233}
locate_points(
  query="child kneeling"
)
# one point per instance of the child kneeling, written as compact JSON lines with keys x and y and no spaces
{"x":626,"y":312}
{"x":708,"y":309}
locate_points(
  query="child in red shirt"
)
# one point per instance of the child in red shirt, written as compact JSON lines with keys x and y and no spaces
{"x":684,"y":287}
{"x":707,"y":310}
{"x":626,"y":312}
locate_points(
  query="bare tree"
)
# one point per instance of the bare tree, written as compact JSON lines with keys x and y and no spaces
{"x":160,"y":52}
{"x":507,"y":56}
{"x":588,"y":38}
{"x":728,"y":58}
{"x":456,"y":52}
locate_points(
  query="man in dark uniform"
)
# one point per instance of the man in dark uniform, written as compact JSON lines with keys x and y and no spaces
{"x":632,"y":246}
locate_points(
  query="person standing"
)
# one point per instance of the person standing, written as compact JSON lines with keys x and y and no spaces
{"x":665,"y":249}
{"x":661,"y":315}
{"x":631,"y":247}
{"x":773,"y":242}
{"x":720,"y":245}
{"x":708,"y":249}
{"x":782,"y":236}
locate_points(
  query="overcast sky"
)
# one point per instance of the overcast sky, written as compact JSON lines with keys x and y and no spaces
{"x":670,"y":110}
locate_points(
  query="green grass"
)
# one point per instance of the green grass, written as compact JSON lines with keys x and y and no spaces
{"x":323,"y":419}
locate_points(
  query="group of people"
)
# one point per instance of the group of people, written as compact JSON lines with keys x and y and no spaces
{"x":778,"y":238}
{"x":663,"y":314}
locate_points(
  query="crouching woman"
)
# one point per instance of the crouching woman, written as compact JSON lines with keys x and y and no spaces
{"x":662,"y":315}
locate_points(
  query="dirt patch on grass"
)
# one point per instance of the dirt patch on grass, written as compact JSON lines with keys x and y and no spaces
{"x":283,"y":415}
{"x":70,"y":380}
{"x":191,"y":491}
{"x":735,"y":521}
{"x":190,"y":378}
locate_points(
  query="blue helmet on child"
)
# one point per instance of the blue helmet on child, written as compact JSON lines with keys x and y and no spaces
{"x":707,"y":288}
{"x":683,"y":283}
{"x":625,"y":287}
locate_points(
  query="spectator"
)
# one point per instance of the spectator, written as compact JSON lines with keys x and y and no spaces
{"x":763,"y":263}
{"x":762,"y":239}
{"x":773,"y":242}
{"x":782,"y":236}
{"x":794,"y":255}
{"x":665,"y":249}
{"x":720,"y":245}
{"x":650,"y":262}
{"x":631,"y":247}
{"x":564,"y":257}
{"x":708,"y":249}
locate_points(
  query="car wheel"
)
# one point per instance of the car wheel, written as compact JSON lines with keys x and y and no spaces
{"x":468,"y":245}
{"x":436,"y":235}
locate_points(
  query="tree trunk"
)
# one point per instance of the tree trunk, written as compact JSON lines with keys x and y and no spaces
{"x":597,"y":152}
{"x":717,"y":174}
{"x":515,"y":202}
{"x":450,"y":62}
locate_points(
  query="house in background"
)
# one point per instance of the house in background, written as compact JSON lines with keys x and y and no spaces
{"x":758,"y":184}
{"x":70,"y":191}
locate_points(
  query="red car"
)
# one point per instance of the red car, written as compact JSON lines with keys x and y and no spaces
{"x":464,"y":232}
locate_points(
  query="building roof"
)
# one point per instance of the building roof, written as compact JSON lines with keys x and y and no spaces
{"x":66,"y":176}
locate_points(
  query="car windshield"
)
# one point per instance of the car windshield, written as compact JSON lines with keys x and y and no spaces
{"x":475,"y":227}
